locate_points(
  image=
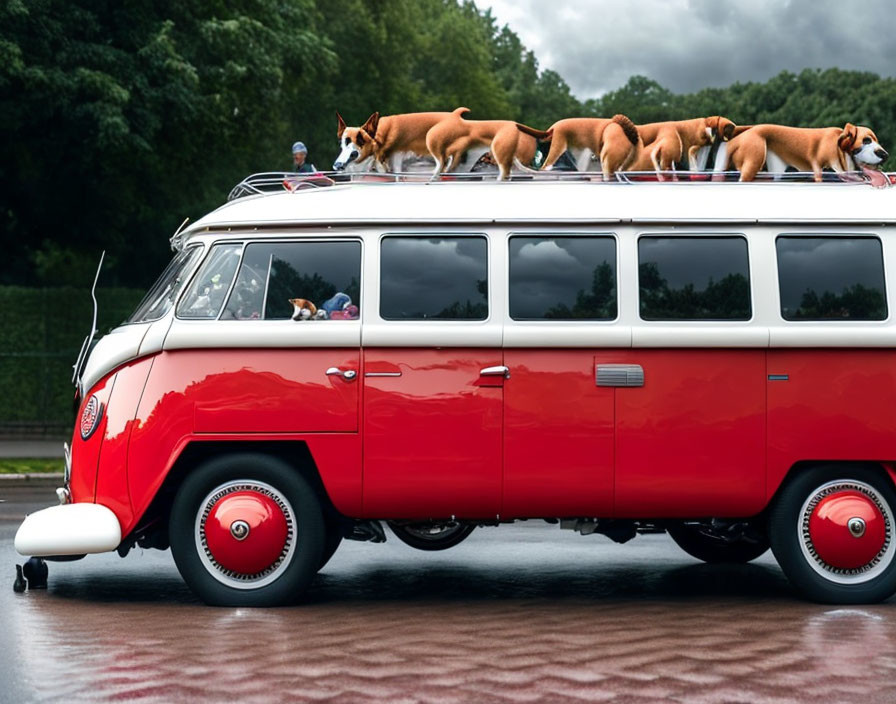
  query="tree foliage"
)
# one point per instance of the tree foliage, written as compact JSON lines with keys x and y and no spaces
{"x":120,"y":118}
{"x":811,"y":98}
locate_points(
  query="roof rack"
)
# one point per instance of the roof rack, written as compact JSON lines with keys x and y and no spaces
{"x":271,"y":182}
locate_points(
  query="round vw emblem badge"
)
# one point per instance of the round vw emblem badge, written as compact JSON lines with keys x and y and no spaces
{"x":239,"y":530}
{"x":90,"y":417}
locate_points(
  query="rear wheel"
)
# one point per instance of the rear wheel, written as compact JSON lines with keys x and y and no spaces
{"x":432,"y":535}
{"x":832,"y":533}
{"x":246,"y":530}
{"x":714,"y":545}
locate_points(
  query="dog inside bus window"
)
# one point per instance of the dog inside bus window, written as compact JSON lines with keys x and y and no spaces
{"x":274,"y":274}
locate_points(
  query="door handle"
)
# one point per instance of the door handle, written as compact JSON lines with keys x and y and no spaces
{"x":348,"y":374}
{"x":495,"y":371}
{"x":630,"y":375}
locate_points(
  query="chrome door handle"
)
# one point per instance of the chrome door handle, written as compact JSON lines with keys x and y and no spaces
{"x":348,"y":374}
{"x":495,"y":371}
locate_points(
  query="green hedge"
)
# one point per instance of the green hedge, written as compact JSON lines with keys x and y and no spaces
{"x":42,"y":332}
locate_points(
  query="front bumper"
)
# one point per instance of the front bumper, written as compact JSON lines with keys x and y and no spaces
{"x":72,"y":529}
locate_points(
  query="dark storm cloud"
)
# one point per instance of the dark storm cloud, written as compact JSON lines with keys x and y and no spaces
{"x":686,"y":45}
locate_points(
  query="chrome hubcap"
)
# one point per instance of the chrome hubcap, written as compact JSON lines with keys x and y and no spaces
{"x":251,"y":550}
{"x":856,"y":527}
{"x":239,"y":530}
{"x":847,"y":549}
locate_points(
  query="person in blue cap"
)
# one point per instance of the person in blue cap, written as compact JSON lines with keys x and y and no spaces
{"x":299,"y":156}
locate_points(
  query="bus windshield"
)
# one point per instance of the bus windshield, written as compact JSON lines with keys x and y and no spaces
{"x":163,"y":293}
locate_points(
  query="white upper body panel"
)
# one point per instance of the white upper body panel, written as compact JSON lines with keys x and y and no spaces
{"x":541,"y":202}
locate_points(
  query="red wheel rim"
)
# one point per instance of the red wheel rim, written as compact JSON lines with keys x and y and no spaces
{"x":847,"y":529}
{"x":245,"y":533}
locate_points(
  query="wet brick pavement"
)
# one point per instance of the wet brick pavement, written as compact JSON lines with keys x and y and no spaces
{"x":515,"y":614}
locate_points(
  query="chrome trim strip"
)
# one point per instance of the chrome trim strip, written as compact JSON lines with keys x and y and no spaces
{"x":67,"y":475}
{"x":382,"y":373}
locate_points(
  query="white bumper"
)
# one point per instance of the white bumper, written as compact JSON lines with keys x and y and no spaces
{"x":72,"y":529}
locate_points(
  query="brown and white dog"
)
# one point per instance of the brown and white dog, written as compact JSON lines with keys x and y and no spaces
{"x":303,"y":309}
{"x":386,"y":140}
{"x":804,"y":148}
{"x":613,"y":141}
{"x":509,"y":143}
{"x":666,"y":143}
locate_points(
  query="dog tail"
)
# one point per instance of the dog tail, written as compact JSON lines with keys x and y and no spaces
{"x":460,"y":111}
{"x":538,"y":134}
{"x":628,"y":127}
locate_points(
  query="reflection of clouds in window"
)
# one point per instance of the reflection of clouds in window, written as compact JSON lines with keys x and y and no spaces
{"x":696,"y":261}
{"x":831,"y":264}
{"x":693,"y":278}
{"x":559,"y":278}
{"x":831,"y":277}
{"x":433,"y":277}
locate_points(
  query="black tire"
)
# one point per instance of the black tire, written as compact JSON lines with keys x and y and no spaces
{"x":424,"y":536}
{"x":697,"y":542}
{"x":264,"y":479}
{"x":332,"y":541}
{"x":802,"y":557}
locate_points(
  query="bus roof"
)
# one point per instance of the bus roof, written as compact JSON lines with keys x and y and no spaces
{"x":571,"y":202}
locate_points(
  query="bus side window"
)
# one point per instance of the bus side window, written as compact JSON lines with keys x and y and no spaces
{"x":694,"y":278}
{"x":831,"y":278}
{"x":327,"y":274}
{"x":556,"y":277}
{"x":434,"y":278}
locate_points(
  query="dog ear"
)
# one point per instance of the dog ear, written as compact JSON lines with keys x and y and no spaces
{"x":370,"y":126}
{"x":727,"y":128}
{"x":721,"y":126}
{"x":340,"y":126}
{"x":848,"y":137}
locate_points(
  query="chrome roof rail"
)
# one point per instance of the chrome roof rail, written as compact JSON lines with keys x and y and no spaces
{"x":271,"y":182}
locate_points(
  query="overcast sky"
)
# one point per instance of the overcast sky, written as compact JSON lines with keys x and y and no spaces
{"x":686,"y":45}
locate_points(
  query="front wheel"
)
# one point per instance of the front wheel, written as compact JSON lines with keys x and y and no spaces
{"x":246,"y":530}
{"x":432,"y":535}
{"x":715,"y":546}
{"x":832,"y":533}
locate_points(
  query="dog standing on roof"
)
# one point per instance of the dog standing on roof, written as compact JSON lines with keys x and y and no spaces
{"x":510,"y":143}
{"x":806,"y":149}
{"x":386,"y":140}
{"x":666,"y":143}
{"x":613,"y":141}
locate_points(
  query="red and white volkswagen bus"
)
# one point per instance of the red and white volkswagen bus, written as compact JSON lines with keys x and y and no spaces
{"x":712,"y":359}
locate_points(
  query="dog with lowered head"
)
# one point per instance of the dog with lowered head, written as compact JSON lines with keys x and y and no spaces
{"x":666,"y":143}
{"x":613,"y":141}
{"x":509,"y":142}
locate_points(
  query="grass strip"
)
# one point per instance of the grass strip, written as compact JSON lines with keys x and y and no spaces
{"x":41,"y":465}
